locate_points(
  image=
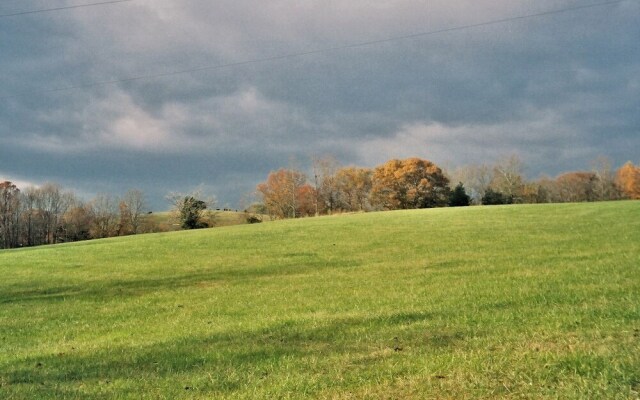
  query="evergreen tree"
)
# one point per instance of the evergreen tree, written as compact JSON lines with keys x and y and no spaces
{"x":459,"y":197}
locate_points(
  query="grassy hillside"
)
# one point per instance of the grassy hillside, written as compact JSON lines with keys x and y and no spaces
{"x":484,"y":302}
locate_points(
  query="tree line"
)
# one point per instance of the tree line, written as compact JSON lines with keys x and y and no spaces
{"x":48,"y":214}
{"x":419,"y":183}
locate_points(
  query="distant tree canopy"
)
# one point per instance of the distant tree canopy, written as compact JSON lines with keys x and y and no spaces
{"x":408,"y":184}
{"x":576,"y":186}
{"x":504,"y":183}
{"x":353,"y":187}
{"x":286,"y":194}
{"x":628,"y":180}
{"x":419,"y":183}
{"x":47,"y":214}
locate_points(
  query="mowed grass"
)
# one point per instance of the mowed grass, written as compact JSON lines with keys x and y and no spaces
{"x":532,"y":301}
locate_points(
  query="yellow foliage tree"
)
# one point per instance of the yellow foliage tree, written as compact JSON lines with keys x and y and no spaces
{"x":410,"y":183}
{"x":628,"y":180}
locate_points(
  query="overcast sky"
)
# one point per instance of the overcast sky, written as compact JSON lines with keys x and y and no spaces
{"x":469,"y":82}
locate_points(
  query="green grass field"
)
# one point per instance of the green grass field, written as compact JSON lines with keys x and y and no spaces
{"x":531,"y":301}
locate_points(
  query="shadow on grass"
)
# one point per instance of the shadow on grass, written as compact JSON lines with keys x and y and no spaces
{"x":233,"y":361}
{"x":108,"y":288}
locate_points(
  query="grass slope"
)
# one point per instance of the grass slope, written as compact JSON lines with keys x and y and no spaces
{"x":483,"y":302}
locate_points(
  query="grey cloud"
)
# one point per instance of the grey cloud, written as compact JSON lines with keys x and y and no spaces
{"x":559,"y":90}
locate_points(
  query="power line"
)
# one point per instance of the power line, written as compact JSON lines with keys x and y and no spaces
{"x":63,"y":8}
{"x":318,"y":51}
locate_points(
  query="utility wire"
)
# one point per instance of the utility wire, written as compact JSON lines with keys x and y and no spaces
{"x":319,"y":51}
{"x":63,"y":8}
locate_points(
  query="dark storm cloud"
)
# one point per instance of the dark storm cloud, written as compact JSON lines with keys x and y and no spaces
{"x":559,"y":90}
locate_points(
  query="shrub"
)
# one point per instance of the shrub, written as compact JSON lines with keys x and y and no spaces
{"x":492,"y":197}
{"x":459,"y":197}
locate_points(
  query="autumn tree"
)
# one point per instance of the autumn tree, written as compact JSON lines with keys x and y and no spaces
{"x":546,"y":190}
{"x":533,"y":192}
{"x":628,"y":180}
{"x":549,"y":189}
{"x":576,"y":186}
{"x":354,"y":187}
{"x":306,"y":201}
{"x":326,"y":184}
{"x":286,"y":193}
{"x":408,"y":184}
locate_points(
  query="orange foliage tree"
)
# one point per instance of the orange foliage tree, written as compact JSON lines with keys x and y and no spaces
{"x":628,"y":180}
{"x":286,"y":194}
{"x":410,"y":183}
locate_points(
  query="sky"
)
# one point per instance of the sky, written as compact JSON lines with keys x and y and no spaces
{"x":169,"y":95}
